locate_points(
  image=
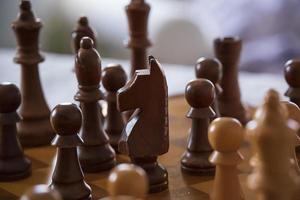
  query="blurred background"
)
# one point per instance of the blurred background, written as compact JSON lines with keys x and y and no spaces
{"x":181,"y":30}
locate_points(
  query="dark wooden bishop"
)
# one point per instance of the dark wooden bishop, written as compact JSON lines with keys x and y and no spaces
{"x":137,"y":14}
{"x":113,"y":78}
{"x":67,"y":177}
{"x":95,"y":154}
{"x":34,"y":128}
{"x":13,"y":164}
{"x":146,"y":134}
{"x":211,"y":69}
{"x":82,"y":30}
{"x":200,"y":95}
{"x":228,"y":50}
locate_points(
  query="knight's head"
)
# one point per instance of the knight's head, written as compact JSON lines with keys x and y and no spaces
{"x":147,"y":86}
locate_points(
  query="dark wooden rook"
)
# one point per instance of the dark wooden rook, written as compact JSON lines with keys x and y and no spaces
{"x":228,"y":50}
{"x":67,"y":177}
{"x":211,"y":69}
{"x":34,"y":128}
{"x":146,"y":134}
{"x":113,"y":78}
{"x":13,"y":164}
{"x":95,"y":154}
{"x":137,"y":14}
{"x":200,"y":95}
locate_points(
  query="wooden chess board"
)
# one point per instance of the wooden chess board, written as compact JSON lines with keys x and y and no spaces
{"x":181,"y":186}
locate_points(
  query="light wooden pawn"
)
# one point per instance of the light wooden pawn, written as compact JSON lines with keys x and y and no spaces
{"x":41,"y":192}
{"x":273,"y":141}
{"x":225,"y":136}
{"x":127,"y":182}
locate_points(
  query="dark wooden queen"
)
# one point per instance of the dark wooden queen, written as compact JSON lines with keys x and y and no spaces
{"x":34,"y":128}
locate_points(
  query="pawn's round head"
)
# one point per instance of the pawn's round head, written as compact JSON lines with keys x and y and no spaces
{"x":10,"y":97}
{"x":209,"y":68}
{"x":39,"y":192}
{"x":113,"y":77}
{"x":225,"y":134}
{"x":200,"y":93}
{"x":86,"y":43}
{"x":292,"y":73}
{"x":128,"y":179}
{"x":66,"y":119}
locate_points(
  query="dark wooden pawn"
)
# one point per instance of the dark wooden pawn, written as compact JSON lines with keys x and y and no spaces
{"x":292,"y":74}
{"x":34,"y":128}
{"x":67,"y":177}
{"x":82,"y":30}
{"x":200,"y":95}
{"x":113,"y":78}
{"x":137,"y":15}
{"x":13,"y":164}
{"x":228,"y":50}
{"x":211,"y":69}
{"x":95,"y":154}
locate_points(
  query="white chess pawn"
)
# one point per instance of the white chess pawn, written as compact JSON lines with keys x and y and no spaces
{"x":127,"y":182}
{"x":41,"y":192}
{"x":225,"y":136}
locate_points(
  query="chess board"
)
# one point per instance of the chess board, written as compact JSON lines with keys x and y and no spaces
{"x":181,"y":186}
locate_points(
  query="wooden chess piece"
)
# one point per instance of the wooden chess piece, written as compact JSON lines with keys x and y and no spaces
{"x":34,"y":128}
{"x":273,"y":173}
{"x":41,"y":192}
{"x":113,"y":78}
{"x":228,"y":50}
{"x":13,"y":164}
{"x":95,"y":154}
{"x":67,"y":177}
{"x":225,"y":136}
{"x":211,"y":69}
{"x":82,"y":30}
{"x":291,"y":73}
{"x":127,"y":182}
{"x":294,"y":114}
{"x":137,"y":14}
{"x":146,"y":134}
{"x":200,"y":95}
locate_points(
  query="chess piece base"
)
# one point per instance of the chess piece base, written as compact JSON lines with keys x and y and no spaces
{"x":96,"y":158}
{"x":157,"y":174}
{"x":196,"y":163}
{"x":33,"y":133}
{"x":14,"y":170}
{"x":73,"y":192}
